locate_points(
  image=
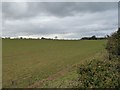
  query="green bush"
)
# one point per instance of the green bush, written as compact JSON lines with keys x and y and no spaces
{"x":99,"y":74}
{"x":113,"y":45}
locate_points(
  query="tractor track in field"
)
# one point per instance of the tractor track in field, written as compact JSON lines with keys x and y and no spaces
{"x":58,"y":74}
{"x":50,"y":78}
{"x":40,"y":83}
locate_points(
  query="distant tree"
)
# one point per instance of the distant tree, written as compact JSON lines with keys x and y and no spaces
{"x":21,"y":38}
{"x":93,"y":37}
{"x":42,"y":38}
{"x":56,"y":37}
{"x":7,"y":37}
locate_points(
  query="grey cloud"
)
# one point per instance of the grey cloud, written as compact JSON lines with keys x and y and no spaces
{"x":61,"y":9}
{"x":67,"y":20}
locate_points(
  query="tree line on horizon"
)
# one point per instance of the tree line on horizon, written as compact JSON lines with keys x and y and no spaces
{"x":56,"y":38}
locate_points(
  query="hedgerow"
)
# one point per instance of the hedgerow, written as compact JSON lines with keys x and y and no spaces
{"x":99,"y":74}
{"x":113,"y":45}
{"x":103,"y":73}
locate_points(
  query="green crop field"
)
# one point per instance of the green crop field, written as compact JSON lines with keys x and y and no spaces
{"x":28,"y":61}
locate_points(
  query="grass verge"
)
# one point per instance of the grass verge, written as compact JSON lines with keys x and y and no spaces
{"x":98,"y":72}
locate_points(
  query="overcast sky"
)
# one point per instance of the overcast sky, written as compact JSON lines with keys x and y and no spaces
{"x":71,"y":20}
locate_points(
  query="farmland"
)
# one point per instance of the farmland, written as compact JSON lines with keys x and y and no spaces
{"x":28,"y":61}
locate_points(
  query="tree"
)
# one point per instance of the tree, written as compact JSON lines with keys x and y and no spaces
{"x":56,"y":37}
{"x":93,"y":37}
{"x":42,"y":38}
{"x":21,"y":38}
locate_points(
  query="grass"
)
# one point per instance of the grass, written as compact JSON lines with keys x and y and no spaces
{"x":70,"y":79}
{"x":97,"y":72}
{"x":28,"y":61}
